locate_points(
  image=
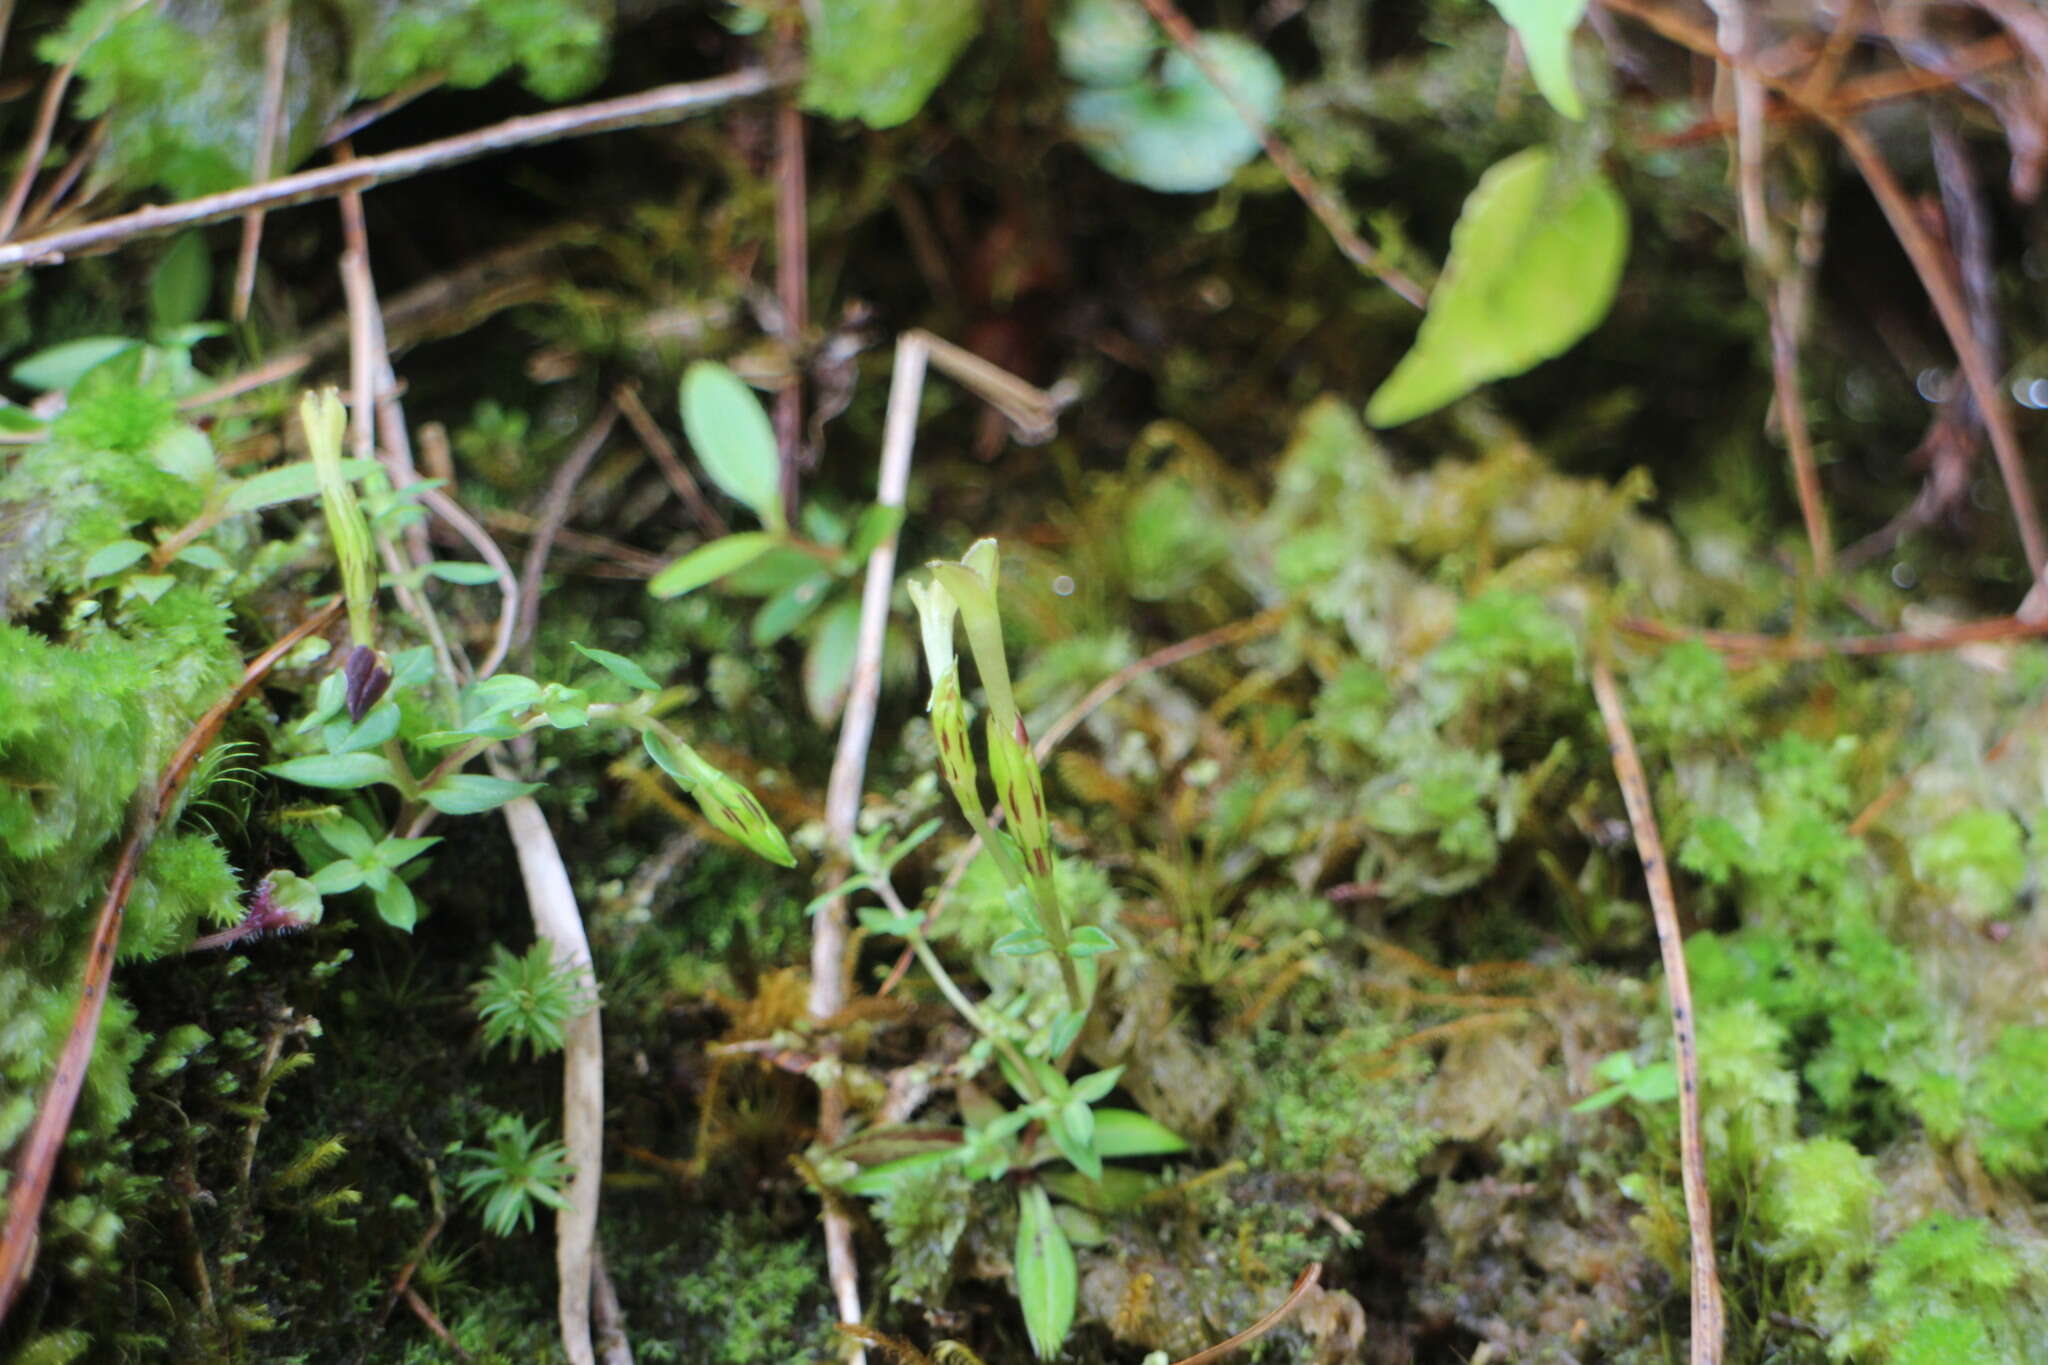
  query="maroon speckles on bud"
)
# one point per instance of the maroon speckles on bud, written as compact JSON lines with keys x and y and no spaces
{"x":368,"y":680}
{"x":264,"y":916}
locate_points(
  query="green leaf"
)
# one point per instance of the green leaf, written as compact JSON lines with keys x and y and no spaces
{"x":893,"y":923}
{"x":729,"y":431}
{"x":1047,"y":1278}
{"x":879,"y":60}
{"x":620,"y":667}
{"x":340,"y":772}
{"x":714,"y":559}
{"x":881,"y":1179}
{"x":62,"y":365}
{"x":346,"y":837}
{"x":467,"y":573}
{"x":205,"y":557}
{"x":1096,"y":1084}
{"x":111,"y":559}
{"x":345,"y":874}
{"x":474,"y":793}
{"x":1021,"y":943}
{"x":399,"y":852}
{"x":1177,"y":133}
{"x":396,"y":906}
{"x":183,"y":280}
{"x":376,"y":727}
{"x":1545,"y":28}
{"x":828,"y":663}
{"x":1089,"y":941}
{"x":1126,"y":1132}
{"x":875,"y":525}
{"x":1533,"y":268}
{"x":1106,"y":42}
{"x":287,"y":483}
{"x":788,"y":609}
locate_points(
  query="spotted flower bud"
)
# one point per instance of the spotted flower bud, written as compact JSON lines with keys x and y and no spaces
{"x":1022,"y":791}
{"x":366,"y":675}
{"x":956,"y":752}
{"x":729,"y":806}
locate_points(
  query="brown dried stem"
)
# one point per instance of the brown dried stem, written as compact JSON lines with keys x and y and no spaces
{"x":31,"y":1184}
{"x":1708,"y":1320}
{"x":663,"y":104}
{"x":269,"y":124}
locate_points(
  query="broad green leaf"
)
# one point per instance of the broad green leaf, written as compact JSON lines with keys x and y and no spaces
{"x":1545,"y":28}
{"x":714,"y":559}
{"x":788,"y":609}
{"x":111,"y":559}
{"x":183,"y":450}
{"x":341,"y":772}
{"x":183,"y":280}
{"x":879,"y":60}
{"x":892,"y":923}
{"x":1117,"y":1190}
{"x":344,"y":874}
{"x":64,"y":364}
{"x":287,"y":483}
{"x":398,"y":852}
{"x":730,"y":433}
{"x":828,"y":663}
{"x":1021,"y":943}
{"x":396,"y":906}
{"x":1533,"y":268}
{"x":620,"y":667}
{"x":1047,"y":1278}
{"x":346,"y":837}
{"x":1126,"y":1132}
{"x":1089,"y":941}
{"x":376,"y":727}
{"x":474,"y":793}
{"x":1092,"y":1087}
{"x":1177,"y":133}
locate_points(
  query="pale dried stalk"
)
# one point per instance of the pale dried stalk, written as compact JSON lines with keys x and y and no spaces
{"x":663,"y":104}
{"x":1708,"y":1319}
{"x":269,"y":123}
{"x":557,"y":922}
{"x":1777,"y":284}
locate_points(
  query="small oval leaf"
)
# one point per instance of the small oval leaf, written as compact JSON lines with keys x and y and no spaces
{"x":729,"y":431}
{"x":474,"y":793}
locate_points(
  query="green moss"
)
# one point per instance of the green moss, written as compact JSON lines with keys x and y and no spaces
{"x":757,"y":1299}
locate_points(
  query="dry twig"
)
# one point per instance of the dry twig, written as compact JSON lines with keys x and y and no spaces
{"x":1708,"y":1322}
{"x":663,"y":104}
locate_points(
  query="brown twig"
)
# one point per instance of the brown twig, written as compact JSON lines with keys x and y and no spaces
{"x":1306,"y":187}
{"x":554,"y":511}
{"x":31,"y":1184}
{"x":433,"y":1323}
{"x":269,"y":124}
{"x":664,"y":104}
{"x":1303,"y":1285}
{"x":669,"y":462}
{"x":1787,"y":647}
{"x":45,"y":205}
{"x":1708,"y":1321}
{"x":792,"y":269}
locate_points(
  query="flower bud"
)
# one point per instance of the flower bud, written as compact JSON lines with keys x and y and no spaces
{"x":1021,"y":789}
{"x":728,"y":805}
{"x":956,"y":751}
